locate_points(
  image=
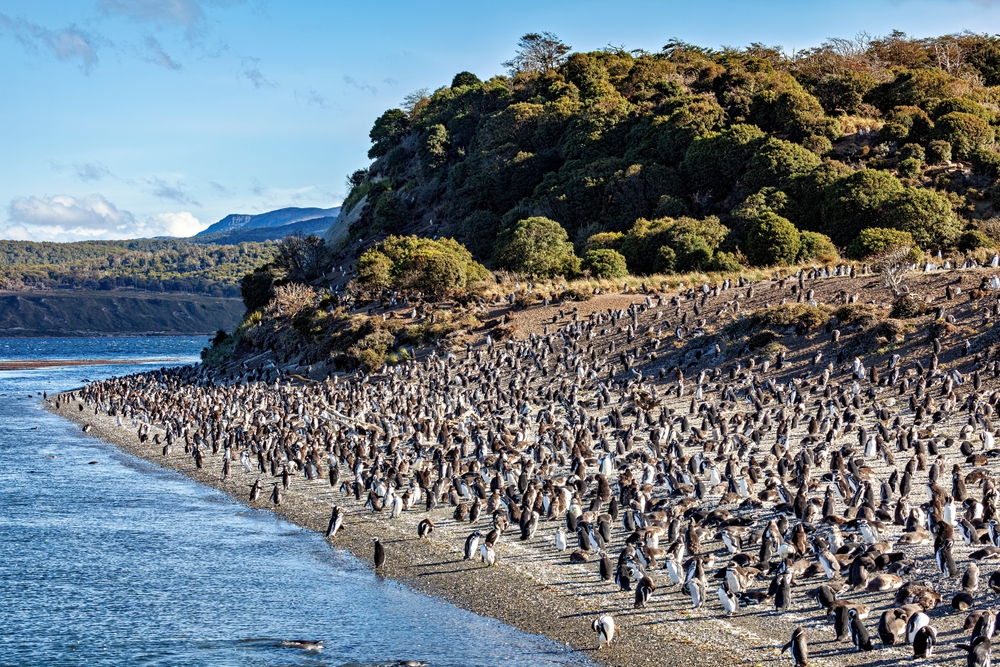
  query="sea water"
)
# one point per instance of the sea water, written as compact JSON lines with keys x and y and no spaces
{"x":106,"y":559}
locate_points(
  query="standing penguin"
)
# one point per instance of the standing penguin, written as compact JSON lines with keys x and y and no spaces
{"x":471,"y":545}
{"x":696,"y":589}
{"x":605,"y":629}
{"x":979,"y":652}
{"x":728,"y":599}
{"x":336,"y":522}
{"x":859,"y":634}
{"x":924,"y":641}
{"x":643,"y":590}
{"x":607,"y":568}
{"x":799,"y":646}
{"x":255,"y":491}
{"x":379,"y":555}
{"x":488,"y":554}
{"x":783,"y":592}
{"x":945,"y":560}
{"x":561,"y":539}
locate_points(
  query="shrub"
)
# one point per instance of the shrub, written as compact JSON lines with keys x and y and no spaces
{"x":776,"y":162}
{"x":938,"y":152}
{"x":605,"y":241}
{"x":816,"y":246}
{"x":875,"y":240}
{"x":909,"y":167}
{"x":972,"y":240}
{"x":856,"y":201}
{"x":536,"y":246}
{"x":605,"y":263}
{"x":964,"y":132}
{"x":691,"y":244}
{"x":370,"y":352}
{"x":408,"y":262}
{"x":726,"y":262}
{"x":772,"y":240}
{"x":257,"y":287}
{"x":912,"y":151}
{"x":926,"y":215}
{"x":693,"y":252}
{"x":906,"y":307}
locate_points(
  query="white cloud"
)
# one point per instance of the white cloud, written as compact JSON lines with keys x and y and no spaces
{"x":69,"y":44}
{"x":187,"y":13}
{"x":172,"y":224}
{"x":67,"y":218}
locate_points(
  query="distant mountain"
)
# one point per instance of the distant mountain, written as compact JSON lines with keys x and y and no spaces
{"x":317,"y":226}
{"x":283,"y":217}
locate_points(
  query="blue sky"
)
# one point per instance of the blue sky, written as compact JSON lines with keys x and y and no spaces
{"x":125,"y":118}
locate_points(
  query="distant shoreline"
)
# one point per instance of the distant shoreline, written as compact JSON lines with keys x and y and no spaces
{"x":30,"y":364}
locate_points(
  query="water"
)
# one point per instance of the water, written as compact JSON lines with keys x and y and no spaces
{"x":122,"y":563}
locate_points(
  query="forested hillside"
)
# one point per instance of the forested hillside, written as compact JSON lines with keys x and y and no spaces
{"x":693,"y":158}
{"x":156,"y":265}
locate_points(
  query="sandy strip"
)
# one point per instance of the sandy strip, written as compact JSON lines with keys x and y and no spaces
{"x":507,"y":592}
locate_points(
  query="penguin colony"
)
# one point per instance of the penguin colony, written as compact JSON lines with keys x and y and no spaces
{"x":862,"y":488}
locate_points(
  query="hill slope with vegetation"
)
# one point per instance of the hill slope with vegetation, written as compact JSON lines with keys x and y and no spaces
{"x":153,"y":265}
{"x":693,"y":158}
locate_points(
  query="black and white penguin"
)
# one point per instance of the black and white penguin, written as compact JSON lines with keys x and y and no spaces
{"x":979,"y":652}
{"x":729,"y":601}
{"x":488,"y":554}
{"x":379,"y":554}
{"x":945,"y":560}
{"x":924,"y":641}
{"x":799,"y":647}
{"x":425,"y":528}
{"x":914,"y":623}
{"x":605,"y":629}
{"x":336,"y":522}
{"x":696,"y":589}
{"x":471,"y":545}
{"x":643,"y":590}
{"x":255,"y":491}
{"x":859,"y":634}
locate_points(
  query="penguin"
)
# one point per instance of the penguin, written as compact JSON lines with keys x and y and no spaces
{"x":859,"y":634}
{"x":783,"y":592}
{"x":924,"y":641}
{"x":336,"y":522}
{"x":728,"y":599}
{"x":425,"y":528}
{"x":979,"y":652}
{"x":560,"y":539}
{"x":945,"y":560}
{"x":605,"y":629}
{"x":471,"y":545}
{"x":607,"y":568}
{"x":255,"y":491}
{"x":379,"y":554}
{"x":799,"y":647}
{"x":914,"y":623}
{"x":488,"y":554}
{"x":892,"y":627}
{"x":696,"y":589}
{"x":643,"y":590}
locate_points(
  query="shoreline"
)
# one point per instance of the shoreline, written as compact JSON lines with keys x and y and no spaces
{"x":504,"y":593}
{"x":33,"y":364}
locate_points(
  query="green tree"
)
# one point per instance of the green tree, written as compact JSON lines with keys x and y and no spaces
{"x":964,"y":132}
{"x":465,"y":79}
{"x":816,"y":246}
{"x":772,"y":241}
{"x":857,"y":201}
{"x":389,"y":127}
{"x":536,"y":246}
{"x":938,"y":152}
{"x":776,"y":162}
{"x":874,"y":240}
{"x":926,"y":215}
{"x":605,"y":263}
{"x":716,"y":161}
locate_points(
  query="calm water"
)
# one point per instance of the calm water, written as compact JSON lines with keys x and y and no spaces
{"x":122,"y":563}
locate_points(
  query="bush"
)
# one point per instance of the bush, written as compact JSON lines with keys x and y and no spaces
{"x":938,"y":152}
{"x":964,"y":132}
{"x":772,"y":240}
{"x":693,"y":252}
{"x":906,"y":307}
{"x":257,"y":287}
{"x":816,"y":246}
{"x":408,"y":262}
{"x":536,"y":246}
{"x":776,"y":162}
{"x":909,"y":167}
{"x":856,"y":201}
{"x":605,"y":241}
{"x":912,"y":151}
{"x":926,"y":215}
{"x":605,"y":263}
{"x":875,"y":240}
{"x":972,"y":240}
{"x":726,"y":262}
{"x":644,"y":243}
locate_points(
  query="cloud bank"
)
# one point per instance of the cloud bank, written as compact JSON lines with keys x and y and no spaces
{"x":67,"y":218}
